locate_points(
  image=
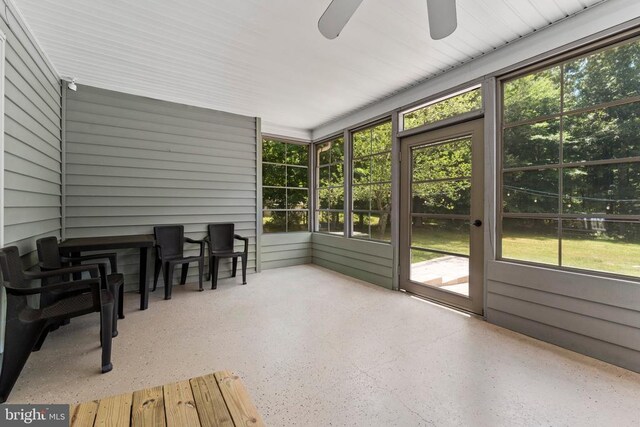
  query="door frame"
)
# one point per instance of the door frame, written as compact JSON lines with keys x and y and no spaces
{"x":475,"y":302}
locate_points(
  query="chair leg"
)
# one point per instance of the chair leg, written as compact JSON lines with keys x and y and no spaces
{"x":210,"y":267}
{"x":214,"y":276}
{"x":234,"y":266}
{"x":200,"y":274}
{"x":168,"y":279}
{"x":121,"y":302}
{"x":156,"y":272}
{"x":244,"y":269}
{"x":41,"y":338}
{"x":185,"y":270}
{"x":116,"y":309}
{"x":106,"y":323}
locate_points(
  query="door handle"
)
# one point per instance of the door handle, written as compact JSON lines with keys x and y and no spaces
{"x":477,"y":223}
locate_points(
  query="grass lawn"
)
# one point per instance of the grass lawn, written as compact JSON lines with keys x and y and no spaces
{"x":602,"y":255}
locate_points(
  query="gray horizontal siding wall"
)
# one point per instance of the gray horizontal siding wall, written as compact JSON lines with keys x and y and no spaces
{"x":285,"y":250}
{"x":364,"y":260}
{"x":134,"y":162}
{"x":32,"y":141}
{"x":596,"y":316}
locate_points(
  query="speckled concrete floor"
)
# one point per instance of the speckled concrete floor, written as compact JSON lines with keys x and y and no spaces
{"x":316,"y":348}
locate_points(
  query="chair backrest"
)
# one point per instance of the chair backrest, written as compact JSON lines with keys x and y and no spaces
{"x":170,"y":239}
{"x":48,"y":252}
{"x":221,"y":236}
{"x":11,"y":268}
{"x":22,"y":329}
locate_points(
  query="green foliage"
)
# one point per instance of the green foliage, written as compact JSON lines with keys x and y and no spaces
{"x":450,"y":107}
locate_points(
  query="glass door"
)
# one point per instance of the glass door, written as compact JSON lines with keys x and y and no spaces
{"x":441,"y":249}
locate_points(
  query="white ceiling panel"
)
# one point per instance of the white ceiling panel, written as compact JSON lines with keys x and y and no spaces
{"x":266,"y":58}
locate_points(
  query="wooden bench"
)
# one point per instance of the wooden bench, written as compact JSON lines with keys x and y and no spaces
{"x":217,"y":399}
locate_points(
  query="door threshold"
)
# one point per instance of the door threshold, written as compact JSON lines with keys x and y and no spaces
{"x":444,"y":305}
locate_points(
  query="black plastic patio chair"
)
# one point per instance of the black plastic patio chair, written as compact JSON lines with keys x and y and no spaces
{"x":26,"y":327}
{"x":221,"y":238}
{"x":49,"y":258}
{"x":170,"y":242}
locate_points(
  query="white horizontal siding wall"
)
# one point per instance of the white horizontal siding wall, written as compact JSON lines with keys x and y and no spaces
{"x":285,"y":249}
{"x":596,"y":316}
{"x":134,"y":162}
{"x":364,"y":260}
{"x":32,"y":141}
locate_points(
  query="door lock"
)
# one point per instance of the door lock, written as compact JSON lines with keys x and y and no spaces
{"x":477,"y":223}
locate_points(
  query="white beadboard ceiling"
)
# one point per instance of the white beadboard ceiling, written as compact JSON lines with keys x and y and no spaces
{"x":266,"y":58}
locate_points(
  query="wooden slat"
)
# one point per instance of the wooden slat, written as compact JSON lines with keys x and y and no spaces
{"x":210,"y":403}
{"x":180,"y":406}
{"x":148,"y":408}
{"x":115,"y":411}
{"x":241,"y":408}
{"x":83,"y":414}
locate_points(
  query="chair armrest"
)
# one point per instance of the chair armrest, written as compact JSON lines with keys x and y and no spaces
{"x":112,"y":257}
{"x":199,"y":242}
{"x":92,"y":269}
{"x":86,"y":284}
{"x":245,"y":239}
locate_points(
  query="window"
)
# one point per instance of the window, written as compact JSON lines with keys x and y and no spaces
{"x":330,"y":186}
{"x":285,"y":190}
{"x":371,"y":183}
{"x":571,"y":163}
{"x":468,"y":101}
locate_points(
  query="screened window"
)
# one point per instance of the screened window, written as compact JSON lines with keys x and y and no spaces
{"x":465,"y":102}
{"x":571,"y":163}
{"x":285,"y":193}
{"x":371,"y":183}
{"x":330,"y":186}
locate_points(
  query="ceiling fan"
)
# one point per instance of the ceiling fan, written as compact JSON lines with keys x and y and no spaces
{"x":442,"y":17}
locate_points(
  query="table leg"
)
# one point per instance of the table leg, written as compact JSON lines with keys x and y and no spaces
{"x":144,"y":287}
{"x":76,"y":276}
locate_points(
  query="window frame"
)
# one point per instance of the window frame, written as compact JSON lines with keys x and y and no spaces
{"x":559,"y":60}
{"x":445,"y":96}
{"x":349,"y":207}
{"x":288,"y":141}
{"x":315,"y":184}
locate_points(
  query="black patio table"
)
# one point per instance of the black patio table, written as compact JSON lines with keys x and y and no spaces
{"x":74,"y":247}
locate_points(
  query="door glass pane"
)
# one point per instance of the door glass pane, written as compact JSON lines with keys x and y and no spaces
{"x":449,"y":235}
{"x":447,"y":160}
{"x":440,"y":241}
{"x":442,"y":197}
{"x":445,"y":272}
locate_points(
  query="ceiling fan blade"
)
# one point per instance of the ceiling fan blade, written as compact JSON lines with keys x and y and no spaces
{"x":336,"y":17}
{"x":442,"y":18}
